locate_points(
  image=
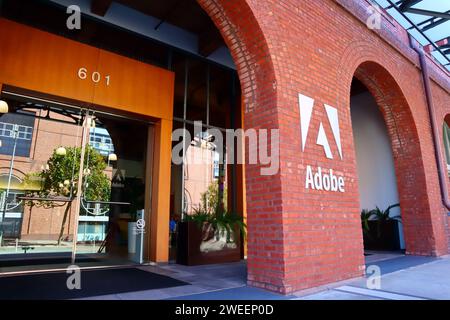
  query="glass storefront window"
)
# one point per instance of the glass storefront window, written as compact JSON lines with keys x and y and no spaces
{"x":210,"y":94}
{"x":38,"y":189}
{"x":197,"y":91}
{"x":180,"y":67}
{"x":221,"y":107}
{"x":16,"y":129}
{"x":204,"y":175}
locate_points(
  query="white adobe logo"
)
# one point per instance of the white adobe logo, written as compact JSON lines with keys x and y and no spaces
{"x":306,"y":106}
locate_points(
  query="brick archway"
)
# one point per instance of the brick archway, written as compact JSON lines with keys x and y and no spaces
{"x":247,"y":43}
{"x":417,"y":218}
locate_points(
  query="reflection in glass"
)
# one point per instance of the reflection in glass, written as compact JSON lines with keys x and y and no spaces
{"x":40,"y":159}
{"x":204,"y":175}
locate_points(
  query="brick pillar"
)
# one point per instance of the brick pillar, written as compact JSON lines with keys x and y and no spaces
{"x":299,"y":237}
{"x":291,"y":244}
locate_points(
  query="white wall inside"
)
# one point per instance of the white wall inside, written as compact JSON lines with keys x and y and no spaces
{"x":375,"y":163}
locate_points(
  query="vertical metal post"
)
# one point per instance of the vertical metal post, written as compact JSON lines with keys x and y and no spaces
{"x":208,"y":93}
{"x":169,"y":59}
{"x":209,"y":176}
{"x":11,"y":166}
{"x":186,"y":81}
{"x":79,"y":186}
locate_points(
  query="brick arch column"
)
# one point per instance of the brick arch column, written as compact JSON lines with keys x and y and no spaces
{"x":441,"y":103}
{"x":417,"y":217}
{"x":247,"y":43}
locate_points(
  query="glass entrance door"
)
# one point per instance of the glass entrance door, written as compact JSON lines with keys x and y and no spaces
{"x":112,"y":222}
{"x":38,"y":144}
{"x":72,"y":186}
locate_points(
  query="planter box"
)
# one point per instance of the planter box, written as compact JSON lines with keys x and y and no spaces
{"x":389,"y":239}
{"x":189,"y":241}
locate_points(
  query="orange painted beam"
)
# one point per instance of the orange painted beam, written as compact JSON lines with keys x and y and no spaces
{"x":160,"y":215}
{"x":135,"y":86}
{"x":43,"y":62}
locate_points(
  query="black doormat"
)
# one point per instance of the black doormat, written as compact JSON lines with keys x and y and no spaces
{"x":53,"y":286}
{"x":43,"y":261}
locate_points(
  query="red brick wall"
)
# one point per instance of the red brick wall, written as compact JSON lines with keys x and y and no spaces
{"x":441,"y":101}
{"x":300,"y":238}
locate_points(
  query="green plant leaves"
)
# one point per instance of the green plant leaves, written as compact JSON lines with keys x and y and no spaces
{"x":365,"y":216}
{"x":225,"y":223}
{"x":213,"y":211}
{"x":378,"y":215}
{"x":60,"y":176}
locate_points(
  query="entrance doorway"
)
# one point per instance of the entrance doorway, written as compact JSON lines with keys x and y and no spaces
{"x":49,"y":216}
{"x":208,"y":182}
{"x":379,"y":198}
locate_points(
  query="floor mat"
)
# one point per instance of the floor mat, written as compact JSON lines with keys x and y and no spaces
{"x":43,"y":261}
{"x":53,"y":286}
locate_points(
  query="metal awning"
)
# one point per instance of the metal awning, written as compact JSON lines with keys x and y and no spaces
{"x":428,"y":21}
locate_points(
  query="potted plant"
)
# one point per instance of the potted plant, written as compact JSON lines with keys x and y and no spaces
{"x":210,"y":235}
{"x":365,"y":217}
{"x":380,"y":229}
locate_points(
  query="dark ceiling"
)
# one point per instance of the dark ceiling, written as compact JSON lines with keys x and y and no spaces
{"x":186,"y":14}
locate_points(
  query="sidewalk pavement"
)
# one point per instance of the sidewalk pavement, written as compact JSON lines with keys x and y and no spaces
{"x":402,"y":278}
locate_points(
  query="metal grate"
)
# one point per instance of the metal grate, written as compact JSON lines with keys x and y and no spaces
{"x":428,"y":21}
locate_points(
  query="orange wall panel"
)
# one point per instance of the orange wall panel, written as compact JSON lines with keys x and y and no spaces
{"x":39,"y":61}
{"x":42,"y":62}
{"x":134,"y":86}
{"x":159,"y":224}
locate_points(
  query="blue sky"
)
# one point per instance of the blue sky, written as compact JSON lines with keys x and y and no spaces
{"x":435,"y":34}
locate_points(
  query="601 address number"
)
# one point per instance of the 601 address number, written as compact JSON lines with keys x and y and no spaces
{"x":95,"y":76}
